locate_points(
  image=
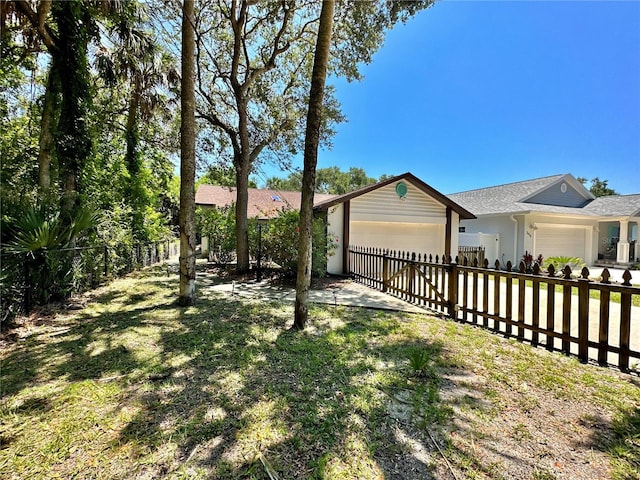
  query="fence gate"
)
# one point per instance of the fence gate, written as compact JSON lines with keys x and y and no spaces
{"x":419,"y":279}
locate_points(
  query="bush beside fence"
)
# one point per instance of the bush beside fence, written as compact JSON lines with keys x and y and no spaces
{"x":32,"y":278}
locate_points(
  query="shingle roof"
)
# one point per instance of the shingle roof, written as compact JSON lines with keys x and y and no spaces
{"x":625,"y":205}
{"x":507,"y":199}
{"x":263,"y":203}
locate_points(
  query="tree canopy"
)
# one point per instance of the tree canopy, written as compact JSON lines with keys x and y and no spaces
{"x":330,"y":180}
{"x":89,"y":102}
{"x":599,"y":188}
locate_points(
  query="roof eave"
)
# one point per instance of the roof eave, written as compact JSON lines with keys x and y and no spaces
{"x":443,"y":199}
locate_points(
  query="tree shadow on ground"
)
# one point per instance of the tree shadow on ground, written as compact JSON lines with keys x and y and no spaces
{"x":87,"y":346}
{"x":305,"y":401}
{"x":221,"y":387}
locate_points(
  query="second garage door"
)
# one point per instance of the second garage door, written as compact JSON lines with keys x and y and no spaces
{"x":560,"y":242}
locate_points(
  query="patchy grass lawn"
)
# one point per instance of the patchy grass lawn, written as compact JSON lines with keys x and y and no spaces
{"x":133,"y":386}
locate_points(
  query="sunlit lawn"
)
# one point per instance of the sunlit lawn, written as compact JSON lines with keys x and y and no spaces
{"x":135,"y":387}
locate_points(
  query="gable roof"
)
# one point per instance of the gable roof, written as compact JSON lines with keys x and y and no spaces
{"x":263,"y":203}
{"x":439,"y":197}
{"x":520,"y":197}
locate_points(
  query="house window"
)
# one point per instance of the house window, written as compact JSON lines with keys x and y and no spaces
{"x":462,"y":229}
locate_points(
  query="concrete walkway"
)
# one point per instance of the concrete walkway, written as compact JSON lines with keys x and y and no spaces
{"x":346,"y":293}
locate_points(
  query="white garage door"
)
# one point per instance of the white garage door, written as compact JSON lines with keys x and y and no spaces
{"x":560,"y":242}
{"x":408,"y":237}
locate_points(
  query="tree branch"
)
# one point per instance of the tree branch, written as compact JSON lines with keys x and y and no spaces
{"x":215,"y":121}
{"x":37,"y":20}
{"x":277,"y":50}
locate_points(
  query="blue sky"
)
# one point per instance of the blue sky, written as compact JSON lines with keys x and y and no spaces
{"x":470,"y":94}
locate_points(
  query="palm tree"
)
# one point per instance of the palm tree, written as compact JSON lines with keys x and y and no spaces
{"x":187,"y":294}
{"x":149,"y":72}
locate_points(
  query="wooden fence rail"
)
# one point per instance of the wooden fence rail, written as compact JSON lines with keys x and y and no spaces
{"x":594,"y":320}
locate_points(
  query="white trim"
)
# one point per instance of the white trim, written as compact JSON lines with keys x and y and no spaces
{"x":560,"y":225}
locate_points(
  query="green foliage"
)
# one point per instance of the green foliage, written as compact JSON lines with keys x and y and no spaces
{"x":559,"y":262}
{"x":419,"y":361}
{"x":279,"y":238}
{"x":330,"y":180}
{"x":280,"y":242}
{"x":218,"y":225}
{"x":39,"y":256}
{"x":599,"y":188}
{"x":222,"y":175}
{"x":38,"y":229}
{"x":19,"y":139}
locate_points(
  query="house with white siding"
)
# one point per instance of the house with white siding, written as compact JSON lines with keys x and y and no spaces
{"x":551,"y":216}
{"x":400,"y":213}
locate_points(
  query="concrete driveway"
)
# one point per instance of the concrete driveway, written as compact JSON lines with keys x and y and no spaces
{"x":616,"y":274}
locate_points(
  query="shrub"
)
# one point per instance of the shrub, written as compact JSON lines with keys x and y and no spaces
{"x":559,"y":262}
{"x":39,"y":256}
{"x":280,"y":238}
{"x":529,"y":261}
{"x":280,"y":243}
{"x":218,"y":224}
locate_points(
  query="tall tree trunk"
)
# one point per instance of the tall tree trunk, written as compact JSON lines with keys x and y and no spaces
{"x":46,"y":142}
{"x":311,"y":141}
{"x":243,"y":166}
{"x":187,"y":221}
{"x":242,"y":206}
{"x":135,"y":197}
{"x":73,"y":142}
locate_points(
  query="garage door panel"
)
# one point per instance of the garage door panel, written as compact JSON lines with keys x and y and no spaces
{"x":417,"y":238}
{"x":560,"y":242}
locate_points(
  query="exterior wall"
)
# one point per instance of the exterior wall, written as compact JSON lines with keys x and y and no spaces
{"x":455,"y":240}
{"x":384,"y":205}
{"x":555,"y":196}
{"x":335,"y":221}
{"x":415,"y":223}
{"x":517,"y":233}
{"x":490,"y":242}
{"x":508,"y":231}
{"x":381,"y":219}
{"x":204,"y":247}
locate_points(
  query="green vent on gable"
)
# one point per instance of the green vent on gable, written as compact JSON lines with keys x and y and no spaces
{"x":401,"y":189}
